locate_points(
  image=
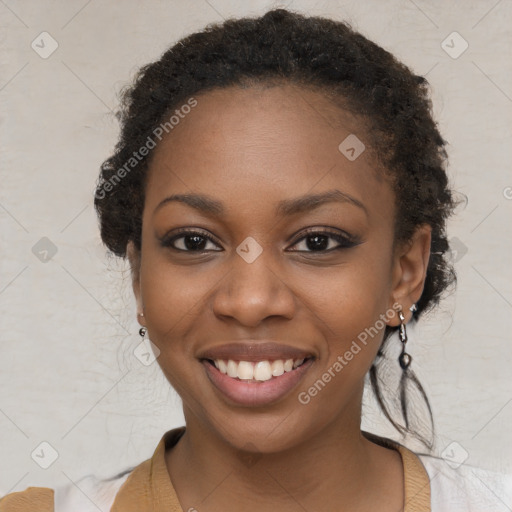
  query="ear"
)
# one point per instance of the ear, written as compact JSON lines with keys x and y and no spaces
{"x":134,"y":258}
{"x":410,"y":263}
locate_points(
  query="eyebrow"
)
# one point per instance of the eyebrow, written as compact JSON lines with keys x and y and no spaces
{"x":286,"y":207}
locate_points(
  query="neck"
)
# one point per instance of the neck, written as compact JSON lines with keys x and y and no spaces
{"x":336,"y":467}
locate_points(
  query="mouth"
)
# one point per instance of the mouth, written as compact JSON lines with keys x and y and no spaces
{"x":259,"y":371}
{"x":256,"y":383}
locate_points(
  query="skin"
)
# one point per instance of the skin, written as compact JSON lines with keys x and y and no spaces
{"x":251,"y":148}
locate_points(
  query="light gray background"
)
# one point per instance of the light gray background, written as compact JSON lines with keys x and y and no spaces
{"x":68,"y":328}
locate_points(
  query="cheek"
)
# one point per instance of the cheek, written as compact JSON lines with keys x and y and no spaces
{"x":351,"y":294}
{"x":350,"y":304}
{"x":351,"y":314}
{"x":172,"y":301}
{"x":172,"y":297}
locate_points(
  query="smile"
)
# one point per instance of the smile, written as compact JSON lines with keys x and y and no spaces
{"x":258,"y":371}
{"x":255,"y":383}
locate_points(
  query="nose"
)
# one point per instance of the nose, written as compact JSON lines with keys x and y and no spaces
{"x":253,"y":292}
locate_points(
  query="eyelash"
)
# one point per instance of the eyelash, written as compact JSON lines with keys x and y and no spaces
{"x":345,"y":241}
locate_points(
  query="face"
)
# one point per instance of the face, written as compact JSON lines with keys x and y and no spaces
{"x":257,"y":274}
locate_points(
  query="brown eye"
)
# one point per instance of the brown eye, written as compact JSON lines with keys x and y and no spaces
{"x":325,"y":241}
{"x":189,"y":241}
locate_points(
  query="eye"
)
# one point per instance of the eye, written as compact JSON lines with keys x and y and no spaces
{"x":323,"y":240}
{"x":188,"y":240}
{"x":315,"y":240}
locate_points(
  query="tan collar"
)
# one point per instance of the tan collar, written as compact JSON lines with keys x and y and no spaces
{"x":149,"y":487}
{"x":417,"y":482}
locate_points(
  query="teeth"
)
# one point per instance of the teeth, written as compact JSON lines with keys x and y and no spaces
{"x":261,"y":370}
{"x":221,"y":365}
{"x":277,"y":368}
{"x":232,"y":369}
{"x":245,"y":370}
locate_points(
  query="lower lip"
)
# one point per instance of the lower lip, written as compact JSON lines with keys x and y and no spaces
{"x":255,"y":394}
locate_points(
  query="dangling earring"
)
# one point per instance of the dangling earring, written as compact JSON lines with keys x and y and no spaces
{"x":146,"y":351}
{"x":404,"y":358}
{"x":142,"y":330}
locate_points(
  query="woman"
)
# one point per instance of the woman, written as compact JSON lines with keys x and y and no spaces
{"x":279,"y":190}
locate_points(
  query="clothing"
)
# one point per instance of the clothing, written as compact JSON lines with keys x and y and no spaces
{"x":431,"y":485}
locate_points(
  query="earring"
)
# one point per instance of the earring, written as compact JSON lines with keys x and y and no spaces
{"x":404,"y":359}
{"x":142,"y":330}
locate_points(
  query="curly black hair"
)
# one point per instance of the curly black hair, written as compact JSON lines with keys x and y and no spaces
{"x":307,"y":51}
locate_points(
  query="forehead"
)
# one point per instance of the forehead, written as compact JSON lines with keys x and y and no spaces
{"x":261,"y":144}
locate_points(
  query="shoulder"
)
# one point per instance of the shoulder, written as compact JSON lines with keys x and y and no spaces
{"x":458,"y":488}
{"x":24,"y":501}
{"x":89,"y":494}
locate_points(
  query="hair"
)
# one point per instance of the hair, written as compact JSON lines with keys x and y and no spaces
{"x":307,"y":51}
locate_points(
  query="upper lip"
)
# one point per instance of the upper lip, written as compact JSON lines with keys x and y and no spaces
{"x":255,"y":351}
